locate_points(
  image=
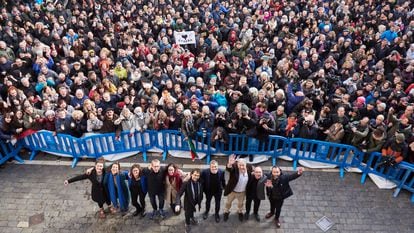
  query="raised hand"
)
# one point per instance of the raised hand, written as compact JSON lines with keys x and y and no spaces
{"x":232,"y":160}
{"x":89,"y":171}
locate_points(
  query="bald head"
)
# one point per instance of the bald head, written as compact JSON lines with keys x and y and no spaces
{"x":258,"y":172}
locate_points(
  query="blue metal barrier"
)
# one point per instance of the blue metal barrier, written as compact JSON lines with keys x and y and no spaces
{"x":394,"y":174}
{"x":175,"y":140}
{"x":320,"y":151}
{"x":9,"y":151}
{"x":407,"y":181}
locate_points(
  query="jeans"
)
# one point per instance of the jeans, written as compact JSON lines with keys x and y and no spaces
{"x":160,"y":200}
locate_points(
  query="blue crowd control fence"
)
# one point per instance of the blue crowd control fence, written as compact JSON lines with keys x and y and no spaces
{"x":91,"y":146}
{"x":61,"y":145}
{"x":112,"y":148}
{"x":373,"y":166}
{"x":320,"y":151}
{"x":175,"y":140}
{"x":9,"y":151}
{"x":407,"y":181}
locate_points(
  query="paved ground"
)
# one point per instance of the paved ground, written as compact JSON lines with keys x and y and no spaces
{"x":31,"y":193}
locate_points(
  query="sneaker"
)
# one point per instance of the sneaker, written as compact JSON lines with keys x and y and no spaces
{"x":162,"y":214}
{"x":217,"y":218}
{"x":136,"y":213}
{"x":205,"y":215}
{"x":143,"y":213}
{"x":153,"y":214}
{"x":246,"y":216}
{"x":187,"y":228}
{"x":257,"y":217}
{"x":113,"y":210}
{"x":241,"y":217}
{"x":269,"y":215}
{"x":226,"y":217}
{"x":194,"y":221}
{"x":277,"y":222}
{"x":102,"y":214}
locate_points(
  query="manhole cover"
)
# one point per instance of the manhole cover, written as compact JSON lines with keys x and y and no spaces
{"x":36,"y":219}
{"x":324,"y":223}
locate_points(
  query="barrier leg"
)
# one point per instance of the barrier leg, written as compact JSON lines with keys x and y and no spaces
{"x":274,"y":161}
{"x":74,"y":162}
{"x":295,"y":164}
{"x":15,"y":154}
{"x":144,"y":155}
{"x":33,"y":154}
{"x":363,"y":178}
{"x":342,"y":172}
{"x":164,"y":155}
{"x":208,"y":158}
{"x":18,"y":159}
{"x":412,"y":198}
{"x":396,"y":192}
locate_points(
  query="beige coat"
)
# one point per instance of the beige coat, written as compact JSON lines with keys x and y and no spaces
{"x":335,"y":133}
{"x":170,"y":188}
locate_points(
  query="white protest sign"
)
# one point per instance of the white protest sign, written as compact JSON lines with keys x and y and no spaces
{"x":187,"y":37}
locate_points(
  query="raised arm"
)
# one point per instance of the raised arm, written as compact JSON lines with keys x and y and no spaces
{"x":231,"y":162}
{"x":76,"y":178}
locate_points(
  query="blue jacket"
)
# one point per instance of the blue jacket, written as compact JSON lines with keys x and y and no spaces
{"x":292,"y":99}
{"x":389,"y":35}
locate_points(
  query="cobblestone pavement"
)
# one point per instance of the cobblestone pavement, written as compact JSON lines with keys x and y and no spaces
{"x":30,"y":194}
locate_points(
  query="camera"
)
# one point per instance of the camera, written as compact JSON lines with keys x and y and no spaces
{"x":387,"y":161}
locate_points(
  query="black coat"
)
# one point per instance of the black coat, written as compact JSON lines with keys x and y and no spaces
{"x":234,"y":178}
{"x":99,"y":193}
{"x":190,"y":201}
{"x":155,"y":181}
{"x":281,"y":188}
{"x":205,"y":181}
{"x":256,"y":189}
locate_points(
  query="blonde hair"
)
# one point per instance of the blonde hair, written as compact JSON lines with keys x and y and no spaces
{"x":77,"y":114}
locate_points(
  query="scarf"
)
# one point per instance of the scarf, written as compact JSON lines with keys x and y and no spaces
{"x":189,"y":126}
{"x":113,"y":190}
{"x":291,"y":123}
{"x":178,"y":181}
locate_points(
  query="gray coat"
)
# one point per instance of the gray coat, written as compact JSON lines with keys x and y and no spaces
{"x":254,"y":189}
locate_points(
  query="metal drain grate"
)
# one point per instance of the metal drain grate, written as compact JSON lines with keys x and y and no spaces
{"x":324,"y":223}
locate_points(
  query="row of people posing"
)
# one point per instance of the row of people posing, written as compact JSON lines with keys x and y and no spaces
{"x":170,"y":183}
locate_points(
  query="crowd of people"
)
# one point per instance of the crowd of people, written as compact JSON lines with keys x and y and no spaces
{"x":340,"y":71}
{"x":168,"y":184}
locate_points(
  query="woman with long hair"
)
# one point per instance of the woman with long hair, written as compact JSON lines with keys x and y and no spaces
{"x":96,"y":177}
{"x":173,"y":182}
{"x":138,"y":188}
{"x":117,"y":188}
